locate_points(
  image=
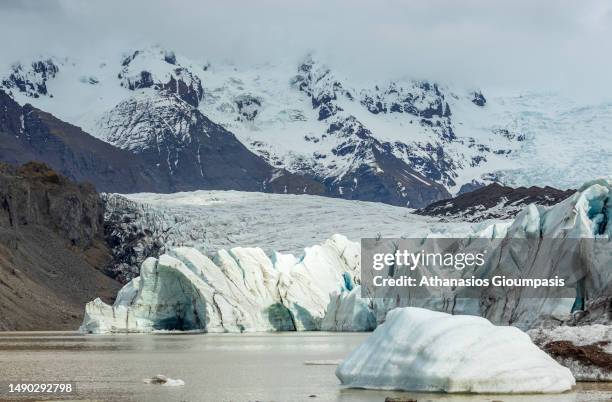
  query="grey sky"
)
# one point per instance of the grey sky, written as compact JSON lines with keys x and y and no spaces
{"x":537,"y":44}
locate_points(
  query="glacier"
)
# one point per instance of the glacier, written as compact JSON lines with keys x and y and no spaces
{"x":580,"y":226}
{"x":422,"y":350}
{"x":349,"y":312}
{"x":242,"y":289}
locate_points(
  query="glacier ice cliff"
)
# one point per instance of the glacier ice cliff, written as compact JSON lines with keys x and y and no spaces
{"x":238,"y":290}
{"x":348,"y":311}
{"x":581,"y":227}
{"x":577,"y":232}
{"x":422,"y":350}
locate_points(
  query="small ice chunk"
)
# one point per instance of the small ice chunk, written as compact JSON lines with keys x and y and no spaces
{"x":161,"y":379}
{"x":322,"y":362}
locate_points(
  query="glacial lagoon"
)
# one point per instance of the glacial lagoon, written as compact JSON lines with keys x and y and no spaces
{"x":215,"y":367}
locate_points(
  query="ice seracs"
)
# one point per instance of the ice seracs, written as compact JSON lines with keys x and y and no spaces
{"x":580,"y":226}
{"x":421,"y":350}
{"x":348,"y":311}
{"x":238,"y":290}
{"x":305,"y":288}
{"x":243,"y":289}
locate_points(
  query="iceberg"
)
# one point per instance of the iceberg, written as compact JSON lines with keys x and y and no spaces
{"x":238,"y":290}
{"x":164,"y":381}
{"x":421,"y":350}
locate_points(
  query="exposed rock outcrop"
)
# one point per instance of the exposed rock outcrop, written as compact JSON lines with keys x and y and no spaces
{"x":494,"y":201}
{"x":134,"y":232}
{"x":27,"y":134}
{"x":52,"y":249}
{"x":31,"y":80}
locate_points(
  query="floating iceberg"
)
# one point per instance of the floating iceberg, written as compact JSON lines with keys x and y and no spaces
{"x":421,"y":350}
{"x":162,"y":380}
{"x":239,"y":290}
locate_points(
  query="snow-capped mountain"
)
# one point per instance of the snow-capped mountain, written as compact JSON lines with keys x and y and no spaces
{"x":400,"y":141}
{"x":29,"y":134}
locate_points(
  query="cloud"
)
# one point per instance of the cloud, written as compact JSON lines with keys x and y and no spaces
{"x":539,"y":45}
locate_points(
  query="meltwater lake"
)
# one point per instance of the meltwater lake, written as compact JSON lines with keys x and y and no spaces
{"x":224,"y":367}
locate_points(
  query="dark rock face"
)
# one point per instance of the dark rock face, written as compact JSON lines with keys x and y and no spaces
{"x":471,"y":186}
{"x":133,"y":232}
{"x":27,"y":134}
{"x":400,"y":100}
{"x":191,"y":151}
{"x":185,"y":85}
{"x":43,"y":197}
{"x":180,"y":82}
{"x":494,"y":202}
{"x":321,"y":86}
{"x":389,"y":180}
{"x":52,"y":249}
{"x":376,"y":173}
{"x":248,"y":107}
{"x":414,"y":174}
{"x":479,"y":99}
{"x":31,"y":81}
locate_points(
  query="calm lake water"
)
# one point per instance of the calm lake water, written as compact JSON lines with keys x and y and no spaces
{"x":228,"y":367}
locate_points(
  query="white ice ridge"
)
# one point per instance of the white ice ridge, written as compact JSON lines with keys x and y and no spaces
{"x":421,"y":350}
{"x":239,"y":290}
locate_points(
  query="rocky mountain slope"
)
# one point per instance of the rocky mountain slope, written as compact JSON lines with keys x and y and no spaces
{"x":402,"y":141}
{"x":397,"y":142}
{"x":493,"y":201}
{"x":29,"y":134}
{"x":52,"y":249}
{"x":209,"y":157}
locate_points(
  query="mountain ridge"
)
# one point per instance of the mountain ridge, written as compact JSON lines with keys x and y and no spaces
{"x":311,"y":121}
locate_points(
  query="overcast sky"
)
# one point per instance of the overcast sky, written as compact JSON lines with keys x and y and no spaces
{"x":535,"y":44}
